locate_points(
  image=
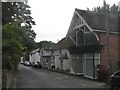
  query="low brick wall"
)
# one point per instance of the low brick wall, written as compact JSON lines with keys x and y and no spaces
{"x":0,"y":78}
{"x":8,"y":79}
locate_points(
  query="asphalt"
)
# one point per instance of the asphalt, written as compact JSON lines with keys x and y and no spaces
{"x":29,"y":77}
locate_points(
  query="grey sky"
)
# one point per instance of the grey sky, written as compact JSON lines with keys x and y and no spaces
{"x":53,"y":17}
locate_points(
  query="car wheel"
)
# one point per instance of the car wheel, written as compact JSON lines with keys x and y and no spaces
{"x":115,"y":88}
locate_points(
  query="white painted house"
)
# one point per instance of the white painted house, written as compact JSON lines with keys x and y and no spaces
{"x":47,"y":58}
{"x":62,"y":55}
{"x":34,"y":57}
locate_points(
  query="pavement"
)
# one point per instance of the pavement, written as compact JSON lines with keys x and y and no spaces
{"x":29,"y":77}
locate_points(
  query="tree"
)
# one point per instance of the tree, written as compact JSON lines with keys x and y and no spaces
{"x":18,"y":11}
{"x":17,"y":32}
{"x":30,"y":45}
{"x":44,"y":44}
{"x":114,"y":9}
{"x":110,"y":9}
{"x":13,"y":45}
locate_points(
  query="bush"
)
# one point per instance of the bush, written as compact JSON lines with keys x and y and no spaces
{"x":12,"y":44}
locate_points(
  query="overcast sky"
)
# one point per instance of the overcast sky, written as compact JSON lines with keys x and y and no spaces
{"x":53,"y":17}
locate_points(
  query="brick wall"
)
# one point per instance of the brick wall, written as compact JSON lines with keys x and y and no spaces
{"x":114,"y":50}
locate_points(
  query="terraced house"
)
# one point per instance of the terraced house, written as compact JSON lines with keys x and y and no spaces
{"x":86,"y":43}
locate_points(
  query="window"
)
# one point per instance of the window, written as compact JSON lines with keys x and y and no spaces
{"x":117,"y":73}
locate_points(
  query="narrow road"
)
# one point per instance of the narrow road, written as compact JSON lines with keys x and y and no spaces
{"x":29,"y":77}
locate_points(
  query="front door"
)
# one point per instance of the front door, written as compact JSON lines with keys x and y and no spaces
{"x":91,"y":62}
{"x":77,"y":64}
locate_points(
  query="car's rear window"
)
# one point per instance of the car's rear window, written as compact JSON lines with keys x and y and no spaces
{"x":117,"y":74}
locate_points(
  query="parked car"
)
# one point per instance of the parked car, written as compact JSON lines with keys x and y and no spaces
{"x":27,"y":63}
{"x":22,"y":62}
{"x":39,"y":65}
{"x":115,"y":80}
{"x":36,"y":64}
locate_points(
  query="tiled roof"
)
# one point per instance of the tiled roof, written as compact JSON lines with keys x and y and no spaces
{"x":64,"y":43}
{"x":97,"y":20}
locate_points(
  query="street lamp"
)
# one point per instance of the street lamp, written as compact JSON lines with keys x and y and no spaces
{"x":107,"y":39}
{"x":118,"y":7}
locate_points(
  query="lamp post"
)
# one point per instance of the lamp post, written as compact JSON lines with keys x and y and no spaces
{"x":108,"y":40}
{"x":119,"y":7}
{"x":118,"y":31}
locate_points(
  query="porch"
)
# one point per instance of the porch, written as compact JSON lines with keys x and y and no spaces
{"x":84,"y":60}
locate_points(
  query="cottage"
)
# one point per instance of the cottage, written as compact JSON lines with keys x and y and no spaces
{"x":34,"y":57}
{"x":62,"y":55}
{"x":47,"y":61}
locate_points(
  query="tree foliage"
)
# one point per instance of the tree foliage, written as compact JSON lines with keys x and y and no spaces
{"x":17,"y":33}
{"x":18,"y":11}
{"x":13,"y":46}
{"x":110,"y":9}
{"x":44,"y":44}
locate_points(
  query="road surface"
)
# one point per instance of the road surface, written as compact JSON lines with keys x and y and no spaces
{"x":29,"y":77}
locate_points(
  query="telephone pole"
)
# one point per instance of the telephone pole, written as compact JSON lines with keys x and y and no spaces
{"x":108,"y":40}
{"x":118,"y":11}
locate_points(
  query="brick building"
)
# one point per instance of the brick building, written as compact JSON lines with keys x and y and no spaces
{"x":88,"y":34}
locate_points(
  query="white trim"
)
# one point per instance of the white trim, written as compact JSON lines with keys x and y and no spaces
{"x":96,"y":36}
{"x":79,"y":73}
{"x":72,"y":72}
{"x":91,"y":30}
{"x":79,"y":26}
{"x":99,"y":30}
{"x":90,"y":77}
{"x":72,"y":40}
{"x":84,"y":21}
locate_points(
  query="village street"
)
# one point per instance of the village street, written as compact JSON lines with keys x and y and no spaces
{"x":29,"y":77}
